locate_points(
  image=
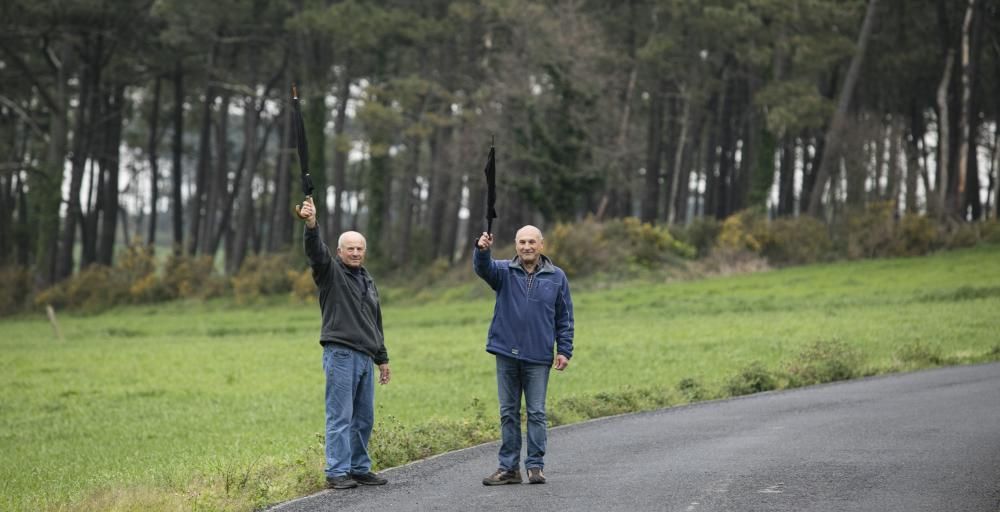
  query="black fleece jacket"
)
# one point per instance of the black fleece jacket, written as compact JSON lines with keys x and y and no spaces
{"x":352,"y":315}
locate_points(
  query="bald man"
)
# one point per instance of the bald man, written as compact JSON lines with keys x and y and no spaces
{"x":353,"y":343}
{"x":531,"y":332}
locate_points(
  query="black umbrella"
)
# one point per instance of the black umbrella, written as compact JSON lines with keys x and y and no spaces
{"x":491,"y":189}
{"x":302,"y":145}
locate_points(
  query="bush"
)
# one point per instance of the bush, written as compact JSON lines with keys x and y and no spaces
{"x":264,"y":274}
{"x":16,"y":284}
{"x":824,"y":361}
{"x":92,"y":289}
{"x":754,"y":378}
{"x":192,"y":277}
{"x":796,"y":241}
{"x":920,"y":355}
{"x":303,"y":286}
{"x":692,"y":390}
{"x":589,"y":246}
{"x":917,"y":235}
{"x":743,"y":231}
{"x":871,"y":232}
{"x":579,"y":249}
{"x":701,"y":233}
{"x":965,"y":234}
{"x":991,"y":232}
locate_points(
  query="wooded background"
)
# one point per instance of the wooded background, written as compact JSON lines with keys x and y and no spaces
{"x":166,"y":122}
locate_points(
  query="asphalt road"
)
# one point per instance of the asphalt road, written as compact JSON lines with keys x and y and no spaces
{"x":925,"y":441}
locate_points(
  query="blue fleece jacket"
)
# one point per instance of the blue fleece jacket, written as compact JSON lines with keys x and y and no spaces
{"x":533,"y":314}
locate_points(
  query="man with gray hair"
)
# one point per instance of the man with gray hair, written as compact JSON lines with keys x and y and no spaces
{"x":353,"y":342}
{"x":532,"y":322}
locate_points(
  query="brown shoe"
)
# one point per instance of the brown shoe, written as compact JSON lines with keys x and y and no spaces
{"x":503,"y":476}
{"x":535,"y":476}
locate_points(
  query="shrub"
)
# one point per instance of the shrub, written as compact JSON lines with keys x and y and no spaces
{"x":645,"y":244}
{"x":743,"y":231}
{"x":94,"y":288}
{"x":918,"y":355}
{"x":796,"y":241}
{"x":917,"y":235}
{"x":187,"y":276}
{"x":991,"y":232}
{"x":870,"y":232}
{"x":589,"y":246}
{"x":824,"y":361}
{"x":753,"y":378}
{"x":263,"y":274}
{"x":965,"y":234}
{"x":16,"y":284}
{"x":303,"y":286}
{"x":580,"y":248}
{"x":692,"y":389}
{"x":701,"y":233}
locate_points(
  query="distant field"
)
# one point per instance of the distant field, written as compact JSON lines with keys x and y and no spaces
{"x":210,"y":405}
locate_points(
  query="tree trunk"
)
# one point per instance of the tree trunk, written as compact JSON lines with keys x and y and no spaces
{"x":244,"y":201}
{"x":410,"y":195}
{"x":727,"y":154}
{"x":154,"y":157}
{"x":944,"y":136}
{"x":281,"y":219}
{"x":341,"y":147}
{"x":831,"y":150}
{"x":217,"y":188}
{"x":315,"y":124}
{"x":81,"y":148}
{"x":786,"y":178}
{"x":892,"y":181}
{"x":654,"y":151}
{"x":678,"y":158}
{"x":176,"y":203}
{"x":110,"y":164}
{"x":856,"y":163}
{"x":198,"y":197}
{"x":964,"y":115}
{"x":45,"y":187}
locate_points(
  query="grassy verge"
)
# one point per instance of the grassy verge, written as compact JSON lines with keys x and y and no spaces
{"x":209,"y":406}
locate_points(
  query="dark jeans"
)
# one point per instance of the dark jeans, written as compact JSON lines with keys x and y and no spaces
{"x":514,"y":378}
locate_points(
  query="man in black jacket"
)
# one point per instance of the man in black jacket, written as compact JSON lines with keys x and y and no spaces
{"x":352,"y":340}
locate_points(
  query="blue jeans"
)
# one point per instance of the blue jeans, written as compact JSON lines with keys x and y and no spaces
{"x":350,"y":409}
{"x":515,"y":377}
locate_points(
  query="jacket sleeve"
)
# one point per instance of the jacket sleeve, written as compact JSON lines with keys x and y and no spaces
{"x":486,"y":268}
{"x":564,"y":320}
{"x":382,"y":356}
{"x":318,"y":253}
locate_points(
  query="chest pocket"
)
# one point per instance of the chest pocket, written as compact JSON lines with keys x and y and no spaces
{"x":544,"y":291}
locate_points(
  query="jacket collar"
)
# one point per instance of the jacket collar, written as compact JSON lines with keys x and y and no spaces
{"x":544,"y":264}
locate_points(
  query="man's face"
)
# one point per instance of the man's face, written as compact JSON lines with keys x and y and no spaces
{"x":529,"y":244}
{"x":352,"y":251}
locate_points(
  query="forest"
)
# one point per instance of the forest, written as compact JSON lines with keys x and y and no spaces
{"x":167,"y":123}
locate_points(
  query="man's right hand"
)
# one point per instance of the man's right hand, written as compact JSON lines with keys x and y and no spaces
{"x":485,"y":241}
{"x":307,"y":212}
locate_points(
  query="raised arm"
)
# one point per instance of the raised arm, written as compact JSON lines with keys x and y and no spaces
{"x":482,"y":261}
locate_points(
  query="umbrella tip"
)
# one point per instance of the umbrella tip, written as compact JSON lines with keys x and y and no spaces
{"x":295,"y":92}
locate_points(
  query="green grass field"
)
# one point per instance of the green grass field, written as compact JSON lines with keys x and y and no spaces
{"x":204,"y":406}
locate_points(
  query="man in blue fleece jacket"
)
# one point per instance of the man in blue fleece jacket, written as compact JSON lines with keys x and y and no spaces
{"x":532,"y":320}
{"x":353,"y":343}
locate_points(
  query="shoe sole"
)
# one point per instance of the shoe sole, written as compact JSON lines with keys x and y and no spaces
{"x":372,"y":483}
{"x":505,"y":482}
{"x":536,"y":481}
{"x":342,"y":486}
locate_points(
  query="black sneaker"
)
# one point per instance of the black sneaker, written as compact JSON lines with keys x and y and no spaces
{"x":535,"y":476}
{"x":503,"y":476}
{"x":368,"y":478}
{"x":340,"y":482}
